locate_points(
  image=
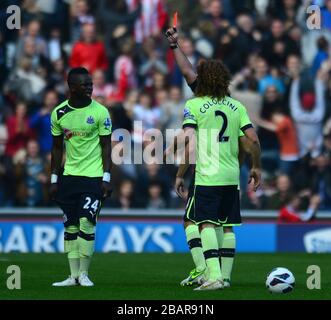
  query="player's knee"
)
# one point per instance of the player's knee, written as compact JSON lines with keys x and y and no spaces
{"x":187,"y":223}
{"x":86,"y":238}
{"x":228,"y":229}
{"x":72,"y":229}
{"x":86,"y":226}
{"x":71,"y":233}
{"x":70,"y":245}
{"x":206,"y":225}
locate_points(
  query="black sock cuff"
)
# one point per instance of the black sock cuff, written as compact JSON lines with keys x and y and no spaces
{"x":194,"y":243}
{"x":86,"y":236}
{"x":213,"y":253}
{"x":227,"y":253}
{"x":70,"y":236}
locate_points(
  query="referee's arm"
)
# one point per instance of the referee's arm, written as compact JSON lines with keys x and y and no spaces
{"x":184,"y":64}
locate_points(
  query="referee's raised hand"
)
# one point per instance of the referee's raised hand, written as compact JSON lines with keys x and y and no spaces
{"x":172,"y":37}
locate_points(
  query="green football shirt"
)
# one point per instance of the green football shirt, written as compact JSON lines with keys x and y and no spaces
{"x":219,"y":124}
{"x":81,"y":128}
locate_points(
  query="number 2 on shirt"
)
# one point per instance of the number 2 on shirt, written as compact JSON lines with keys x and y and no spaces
{"x":221,"y":137}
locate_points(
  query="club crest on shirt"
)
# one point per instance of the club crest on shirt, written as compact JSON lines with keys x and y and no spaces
{"x":90,"y":120}
{"x":107,"y":124}
{"x":188,"y":114}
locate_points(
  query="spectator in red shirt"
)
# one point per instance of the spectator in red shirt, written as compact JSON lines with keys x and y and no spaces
{"x":88,"y":52}
{"x":285,"y":131}
{"x":18,"y":130}
{"x":124,"y":70}
{"x":110,"y":92}
{"x":291,"y":212}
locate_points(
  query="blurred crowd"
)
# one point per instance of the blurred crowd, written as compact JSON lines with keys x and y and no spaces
{"x":280,"y":68}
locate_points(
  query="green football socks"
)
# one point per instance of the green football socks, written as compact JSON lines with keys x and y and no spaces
{"x":227,"y":253}
{"x":194,"y":243}
{"x":86,"y":240}
{"x":219,"y":234}
{"x":211,"y":254}
{"x":71,"y":248}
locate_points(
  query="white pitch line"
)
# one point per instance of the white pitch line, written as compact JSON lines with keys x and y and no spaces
{"x":4,"y":259}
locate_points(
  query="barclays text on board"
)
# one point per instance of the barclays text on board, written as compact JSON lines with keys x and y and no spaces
{"x":167,"y":237}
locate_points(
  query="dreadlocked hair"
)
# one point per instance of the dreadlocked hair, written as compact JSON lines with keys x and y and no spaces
{"x":213,"y":79}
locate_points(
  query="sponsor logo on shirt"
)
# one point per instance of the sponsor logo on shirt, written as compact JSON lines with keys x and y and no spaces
{"x":90,"y":120}
{"x":107,"y":124}
{"x":67,"y":134}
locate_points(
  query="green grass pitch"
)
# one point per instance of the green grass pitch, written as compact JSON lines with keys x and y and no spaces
{"x":157,"y":277}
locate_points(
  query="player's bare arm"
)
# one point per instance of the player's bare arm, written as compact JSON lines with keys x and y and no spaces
{"x":177,"y":146}
{"x":172,"y":149}
{"x":250,"y":144}
{"x":189,"y":135}
{"x":105,"y":142}
{"x":242,"y":153}
{"x":56,"y":162}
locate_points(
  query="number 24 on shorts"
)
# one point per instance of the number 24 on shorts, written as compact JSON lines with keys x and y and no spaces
{"x":94,"y":206}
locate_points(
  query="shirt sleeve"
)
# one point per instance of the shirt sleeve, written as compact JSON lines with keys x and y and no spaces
{"x":245,"y":122}
{"x":105,"y":124}
{"x":193,"y":85}
{"x":190,"y":119}
{"x":55,"y":126}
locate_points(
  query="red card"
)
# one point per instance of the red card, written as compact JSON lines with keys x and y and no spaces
{"x":175,"y":19}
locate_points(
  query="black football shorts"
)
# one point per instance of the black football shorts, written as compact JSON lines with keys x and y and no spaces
{"x":219,"y":205}
{"x":189,"y":196}
{"x":79,"y":197}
